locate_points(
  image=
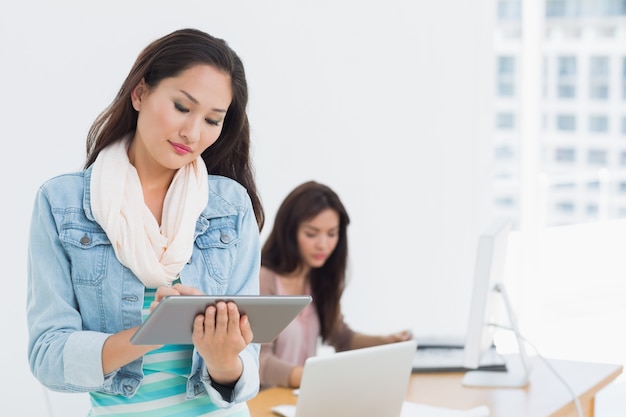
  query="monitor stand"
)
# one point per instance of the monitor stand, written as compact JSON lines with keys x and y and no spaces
{"x":518,"y":366}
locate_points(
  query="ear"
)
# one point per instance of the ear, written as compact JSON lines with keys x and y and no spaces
{"x":137,"y":94}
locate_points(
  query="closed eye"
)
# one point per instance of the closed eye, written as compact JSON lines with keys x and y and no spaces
{"x":181,"y":108}
{"x":184,"y":109}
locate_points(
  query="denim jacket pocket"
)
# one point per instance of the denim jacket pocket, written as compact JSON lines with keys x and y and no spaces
{"x":218,"y":246}
{"x":88,"y":250}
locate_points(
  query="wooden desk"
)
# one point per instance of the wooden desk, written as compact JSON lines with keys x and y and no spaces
{"x":545,"y":395}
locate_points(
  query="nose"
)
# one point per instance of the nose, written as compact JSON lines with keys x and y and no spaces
{"x":322,"y":242}
{"x":190,"y":130}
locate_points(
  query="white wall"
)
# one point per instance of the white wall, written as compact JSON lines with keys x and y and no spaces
{"x":388,"y":102}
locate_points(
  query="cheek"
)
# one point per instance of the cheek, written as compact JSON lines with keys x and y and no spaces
{"x":156,"y":117}
{"x":209,"y":138}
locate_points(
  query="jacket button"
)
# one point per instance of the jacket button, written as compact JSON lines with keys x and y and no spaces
{"x":224,"y":238}
{"x":85,"y":240}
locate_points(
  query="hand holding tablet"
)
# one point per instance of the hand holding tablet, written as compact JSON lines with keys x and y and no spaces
{"x":171,"y":321}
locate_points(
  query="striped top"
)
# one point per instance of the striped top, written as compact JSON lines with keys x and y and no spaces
{"x":163,"y":390}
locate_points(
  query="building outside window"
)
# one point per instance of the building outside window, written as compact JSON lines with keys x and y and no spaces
{"x":508,"y":9}
{"x":624,"y":78}
{"x":598,"y":124}
{"x":505,"y":121}
{"x":561,"y":8}
{"x":565,"y":207}
{"x":566,"y":122}
{"x":506,"y":76}
{"x":504,"y":152}
{"x":593,"y":185}
{"x":599,"y":77}
{"x":597,"y":157}
{"x":582,"y":136}
{"x":566,"y":87}
{"x":592,"y":210}
{"x":565,"y":154}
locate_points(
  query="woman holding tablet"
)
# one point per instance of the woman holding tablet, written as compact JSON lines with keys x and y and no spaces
{"x":306,"y":253}
{"x":166,"y":204}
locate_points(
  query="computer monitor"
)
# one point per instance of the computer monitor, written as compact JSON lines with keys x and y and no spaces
{"x":488,"y":296}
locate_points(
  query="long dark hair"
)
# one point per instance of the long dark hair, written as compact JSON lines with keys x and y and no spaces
{"x":281,"y":254}
{"x":167,"y":57}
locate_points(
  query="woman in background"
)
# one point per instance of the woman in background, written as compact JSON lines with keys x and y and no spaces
{"x":306,"y":253}
{"x":166,"y":205}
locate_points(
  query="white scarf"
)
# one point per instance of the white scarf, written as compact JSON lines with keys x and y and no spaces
{"x":155,"y":255}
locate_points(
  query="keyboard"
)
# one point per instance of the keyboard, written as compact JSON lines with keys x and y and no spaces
{"x":450,"y":359}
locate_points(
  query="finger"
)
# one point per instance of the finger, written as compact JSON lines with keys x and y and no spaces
{"x":198,"y":328}
{"x":209,"y":319}
{"x":246,"y":329}
{"x":186,"y":289}
{"x":221,"y":318}
{"x":163,"y":292}
{"x":233,"y":316}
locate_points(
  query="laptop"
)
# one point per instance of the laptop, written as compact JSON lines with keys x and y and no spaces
{"x":366,"y":382}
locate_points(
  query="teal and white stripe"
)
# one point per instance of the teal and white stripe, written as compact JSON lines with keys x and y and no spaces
{"x":163,"y":390}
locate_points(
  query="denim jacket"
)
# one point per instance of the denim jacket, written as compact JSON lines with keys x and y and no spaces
{"x":79,"y":293}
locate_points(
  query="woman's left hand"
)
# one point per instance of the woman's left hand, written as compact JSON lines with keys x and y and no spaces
{"x":220,"y":334}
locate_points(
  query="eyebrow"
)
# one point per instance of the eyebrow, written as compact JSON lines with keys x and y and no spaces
{"x":193,"y":99}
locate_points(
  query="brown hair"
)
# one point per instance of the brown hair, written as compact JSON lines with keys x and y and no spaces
{"x":281,"y":254}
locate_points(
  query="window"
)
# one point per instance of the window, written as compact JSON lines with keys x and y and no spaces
{"x":613,"y":7}
{"x":599,"y":78}
{"x":596,"y":157}
{"x":565,"y":154}
{"x":509,"y":9}
{"x":564,"y":186}
{"x":505,"y":121}
{"x":566,"y":83}
{"x":505,"y":202}
{"x":593,"y":185}
{"x":598,"y":124}
{"x":565,"y":206}
{"x":592,"y":210}
{"x":624,"y":78}
{"x":504,"y":152}
{"x":506,"y":76}
{"x":566,"y":122}
{"x":561,"y":8}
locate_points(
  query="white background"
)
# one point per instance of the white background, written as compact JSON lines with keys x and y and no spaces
{"x":386,"y":102}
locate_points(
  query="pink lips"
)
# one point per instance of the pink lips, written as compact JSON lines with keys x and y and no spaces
{"x":180,"y":148}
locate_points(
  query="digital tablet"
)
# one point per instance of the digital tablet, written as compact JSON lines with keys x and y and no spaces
{"x":171,"y":321}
